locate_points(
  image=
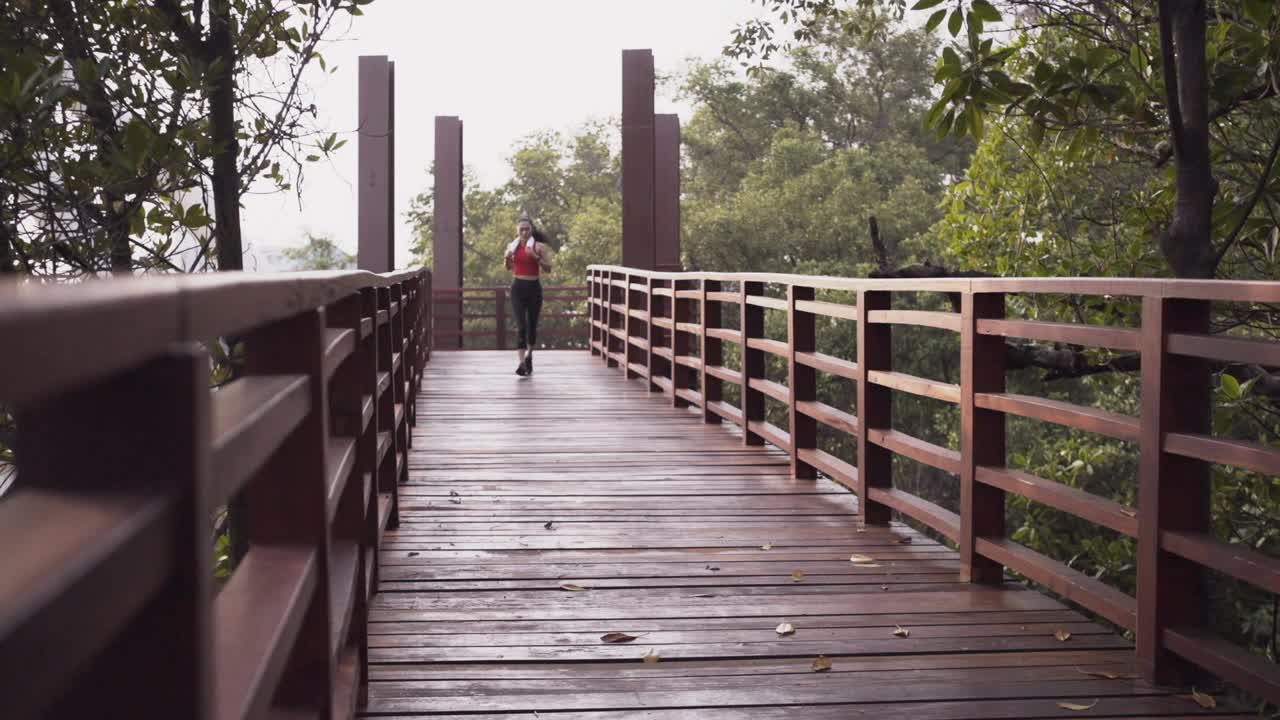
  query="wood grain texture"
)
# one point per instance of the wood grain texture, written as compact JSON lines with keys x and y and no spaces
{"x":682,"y":537}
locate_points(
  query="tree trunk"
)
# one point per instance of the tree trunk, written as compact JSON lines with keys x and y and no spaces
{"x":222,"y":116}
{"x":1187,"y":243}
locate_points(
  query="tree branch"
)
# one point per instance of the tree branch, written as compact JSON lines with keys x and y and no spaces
{"x":1259,"y":188}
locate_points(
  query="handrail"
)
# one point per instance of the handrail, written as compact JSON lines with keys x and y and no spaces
{"x":106,"y":598}
{"x":647,"y":323}
{"x":450,"y":315}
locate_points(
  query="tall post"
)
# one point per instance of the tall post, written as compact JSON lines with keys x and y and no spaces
{"x":666,"y":201}
{"x":712,"y":352}
{"x":637,"y":160}
{"x":446,"y":223}
{"x":376,"y":150}
{"x":982,"y":437}
{"x":802,"y":330}
{"x":875,"y":404}
{"x":1173,"y":490}
{"x":753,"y":362}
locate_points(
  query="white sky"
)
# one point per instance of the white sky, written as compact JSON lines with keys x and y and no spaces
{"x":508,"y":68}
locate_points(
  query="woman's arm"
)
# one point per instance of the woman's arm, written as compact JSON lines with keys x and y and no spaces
{"x":543,"y":253}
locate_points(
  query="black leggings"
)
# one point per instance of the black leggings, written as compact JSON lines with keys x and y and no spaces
{"x":526,"y":301}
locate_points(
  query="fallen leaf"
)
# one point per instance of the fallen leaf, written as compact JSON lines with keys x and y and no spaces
{"x":413,"y":554}
{"x":785,"y":629}
{"x":705,"y":595}
{"x":884,"y":587}
{"x":550,"y":525}
{"x":617,"y":637}
{"x":904,"y":541}
{"x":861,"y":530}
{"x":855,"y":558}
{"x":651,"y":656}
{"x":1129,"y":511}
{"x":1077,"y":706}
{"x":767,"y":546}
{"x":797,"y":576}
{"x":822,"y":663}
{"x":866,"y":565}
{"x":572,"y":588}
{"x":1061,"y":635}
{"x":454,"y":493}
{"x":455,"y":500}
{"x":713,"y":568}
{"x":1204,"y":700}
{"x":901,"y":631}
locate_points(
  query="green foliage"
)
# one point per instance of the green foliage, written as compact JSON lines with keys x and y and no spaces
{"x":320,"y":253}
{"x":106,"y":141}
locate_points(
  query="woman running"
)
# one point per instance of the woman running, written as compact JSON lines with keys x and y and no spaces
{"x":526,"y":257}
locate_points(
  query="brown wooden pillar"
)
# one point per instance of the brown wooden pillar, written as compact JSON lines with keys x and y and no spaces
{"x":666,"y":208}
{"x":446,"y":228}
{"x":376,"y":164}
{"x":637,"y":160}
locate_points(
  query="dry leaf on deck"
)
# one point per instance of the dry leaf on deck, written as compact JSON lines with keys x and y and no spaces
{"x":901,"y":631}
{"x":550,"y":525}
{"x":1077,"y":706}
{"x":572,"y":588}
{"x":413,"y":554}
{"x":884,"y":587}
{"x":856,"y":558}
{"x":797,"y":576}
{"x":617,"y":637}
{"x":1204,"y":700}
{"x":785,"y":629}
{"x":713,"y":568}
{"x":651,"y":656}
{"x":455,"y":500}
{"x":904,"y":541}
{"x":1061,"y":635}
{"x":861,"y":530}
{"x":767,"y":546}
{"x":822,"y":663}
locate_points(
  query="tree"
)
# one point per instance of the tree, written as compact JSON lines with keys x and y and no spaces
{"x":320,"y":253}
{"x":130,"y":130}
{"x":1169,"y":80}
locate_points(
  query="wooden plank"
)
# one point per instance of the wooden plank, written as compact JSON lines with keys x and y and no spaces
{"x":1103,"y":422}
{"x":935,"y":516}
{"x":1225,"y":451}
{"x":829,"y":416}
{"x":1088,"y":506}
{"x":773,"y":347}
{"x":947,"y":392}
{"x":1234,"y":559}
{"x":1075,"y":586}
{"x":919,"y":318}
{"x":725,"y":334}
{"x":341,"y":461}
{"x":1116,"y":338}
{"x":829,"y":364}
{"x":832,"y":466}
{"x":767,"y":302}
{"x":257,"y":617}
{"x":251,"y":418}
{"x":775,"y":390}
{"x":919,"y":450}
{"x":828,"y":309}
{"x":728,"y":297}
{"x":344,"y":566}
{"x":1246,"y":351}
{"x":339,"y":343}
{"x":723,"y":373}
{"x":1251,"y":672}
{"x":771,"y":433}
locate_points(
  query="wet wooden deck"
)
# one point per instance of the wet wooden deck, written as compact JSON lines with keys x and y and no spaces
{"x":699,"y":547}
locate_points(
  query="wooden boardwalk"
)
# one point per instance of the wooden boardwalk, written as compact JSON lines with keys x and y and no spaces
{"x":543,"y":513}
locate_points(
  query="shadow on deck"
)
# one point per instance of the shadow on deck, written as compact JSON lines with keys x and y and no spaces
{"x":520,"y":491}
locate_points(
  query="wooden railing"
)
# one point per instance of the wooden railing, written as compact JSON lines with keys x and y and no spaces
{"x":107,"y":604}
{"x":649,"y":323}
{"x":458,"y":312}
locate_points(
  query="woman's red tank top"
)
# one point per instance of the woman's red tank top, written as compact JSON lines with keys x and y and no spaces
{"x":523,"y":262}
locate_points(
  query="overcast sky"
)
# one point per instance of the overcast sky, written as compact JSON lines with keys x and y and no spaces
{"x":508,"y":68}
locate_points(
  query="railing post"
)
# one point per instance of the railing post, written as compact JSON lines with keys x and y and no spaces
{"x":680,"y":373}
{"x":752,"y":326}
{"x":875,"y":352}
{"x":385,"y":410}
{"x":288,"y":498}
{"x":629,"y":353}
{"x":428,"y":318}
{"x":1173,"y":490}
{"x":982,"y":435}
{"x":652,"y":359}
{"x":593,"y":312}
{"x":712,"y":352}
{"x":802,"y":379}
{"x":500,"y":312}
{"x":615,"y":322}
